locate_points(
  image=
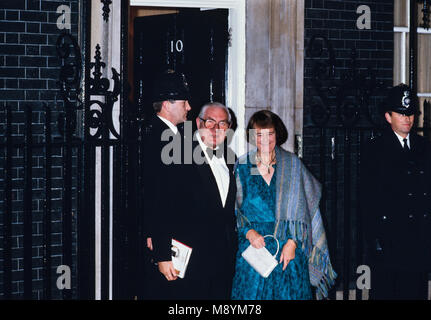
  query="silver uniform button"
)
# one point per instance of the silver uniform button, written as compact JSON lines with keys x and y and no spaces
{"x":384,"y":217}
{"x":410,"y":216}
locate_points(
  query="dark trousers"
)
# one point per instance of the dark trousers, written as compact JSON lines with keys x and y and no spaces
{"x":211,"y":287}
{"x":398,"y":284}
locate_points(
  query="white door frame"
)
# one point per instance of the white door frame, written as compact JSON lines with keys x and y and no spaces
{"x":235,"y":95}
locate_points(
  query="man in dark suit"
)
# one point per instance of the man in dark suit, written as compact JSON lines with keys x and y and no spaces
{"x":193,"y":202}
{"x":170,"y":103}
{"x":396,"y":202}
{"x":217,"y":196}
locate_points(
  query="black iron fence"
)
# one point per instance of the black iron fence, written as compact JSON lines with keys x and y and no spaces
{"x":41,"y":188}
{"x":341,"y":106}
{"x":337,"y":165}
{"x":61,"y":168}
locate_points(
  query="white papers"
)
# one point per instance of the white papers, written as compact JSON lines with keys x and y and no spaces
{"x":180,"y":257}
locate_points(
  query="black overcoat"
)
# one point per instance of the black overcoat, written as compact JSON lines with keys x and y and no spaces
{"x":396,"y":201}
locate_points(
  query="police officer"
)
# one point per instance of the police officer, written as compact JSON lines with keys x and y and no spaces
{"x":396,"y":202}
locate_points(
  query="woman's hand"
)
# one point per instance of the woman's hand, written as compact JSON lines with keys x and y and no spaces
{"x":168,"y":270}
{"x":288,"y":253}
{"x":256,"y":240}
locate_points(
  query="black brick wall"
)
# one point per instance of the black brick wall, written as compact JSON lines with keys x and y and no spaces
{"x":336,"y":20}
{"x":29,"y":72}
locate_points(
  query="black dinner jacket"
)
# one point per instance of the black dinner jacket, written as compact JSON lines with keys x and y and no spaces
{"x":188,"y":208}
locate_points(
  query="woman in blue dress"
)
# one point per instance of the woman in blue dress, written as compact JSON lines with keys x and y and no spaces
{"x":278,"y":196}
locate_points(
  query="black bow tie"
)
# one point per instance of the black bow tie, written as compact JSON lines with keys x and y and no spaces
{"x":212,"y":152}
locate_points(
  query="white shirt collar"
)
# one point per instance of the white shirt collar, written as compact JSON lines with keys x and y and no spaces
{"x":401,"y":139}
{"x":202,"y":144}
{"x":219,"y":170}
{"x":169,"y":124}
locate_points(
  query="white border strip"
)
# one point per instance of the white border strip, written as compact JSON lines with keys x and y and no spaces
{"x":222,"y":4}
{"x":401,"y":29}
{"x":424,"y":31}
{"x":403,"y":57}
{"x":407,"y":30}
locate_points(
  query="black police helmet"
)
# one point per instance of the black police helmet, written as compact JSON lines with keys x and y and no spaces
{"x":401,"y":100}
{"x":170,"y":85}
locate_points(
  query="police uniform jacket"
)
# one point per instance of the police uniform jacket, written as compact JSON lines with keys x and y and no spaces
{"x":396,"y":201}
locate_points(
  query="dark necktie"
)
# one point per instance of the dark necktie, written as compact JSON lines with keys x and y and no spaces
{"x":212,"y":152}
{"x":181,"y":128}
{"x":405,"y":147}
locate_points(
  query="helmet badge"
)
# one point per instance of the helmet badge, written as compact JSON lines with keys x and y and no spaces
{"x":405,"y":101}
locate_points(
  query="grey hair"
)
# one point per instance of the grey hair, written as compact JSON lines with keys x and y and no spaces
{"x":214,"y":104}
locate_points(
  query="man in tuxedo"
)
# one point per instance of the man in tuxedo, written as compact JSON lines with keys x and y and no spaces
{"x":217,"y":198}
{"x":396,"y":202}
{"x":170,"y":103}
{"x":194,"y":204}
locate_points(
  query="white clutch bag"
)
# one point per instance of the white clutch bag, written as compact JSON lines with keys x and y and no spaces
{"x":261,"y":259}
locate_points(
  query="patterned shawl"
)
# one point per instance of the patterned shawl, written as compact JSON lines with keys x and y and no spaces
{"x":297,"y":210}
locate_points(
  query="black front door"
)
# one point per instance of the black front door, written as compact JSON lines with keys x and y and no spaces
{"x":193,"y":42}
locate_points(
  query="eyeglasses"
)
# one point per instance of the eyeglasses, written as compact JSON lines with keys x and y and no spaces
{"x":210,"y":123}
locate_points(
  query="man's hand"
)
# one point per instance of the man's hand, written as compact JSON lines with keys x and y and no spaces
{"x":256,"y":240}
{"x":150,"y":244}
{"x":288,"y":253}
{"x":168,"y":270}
